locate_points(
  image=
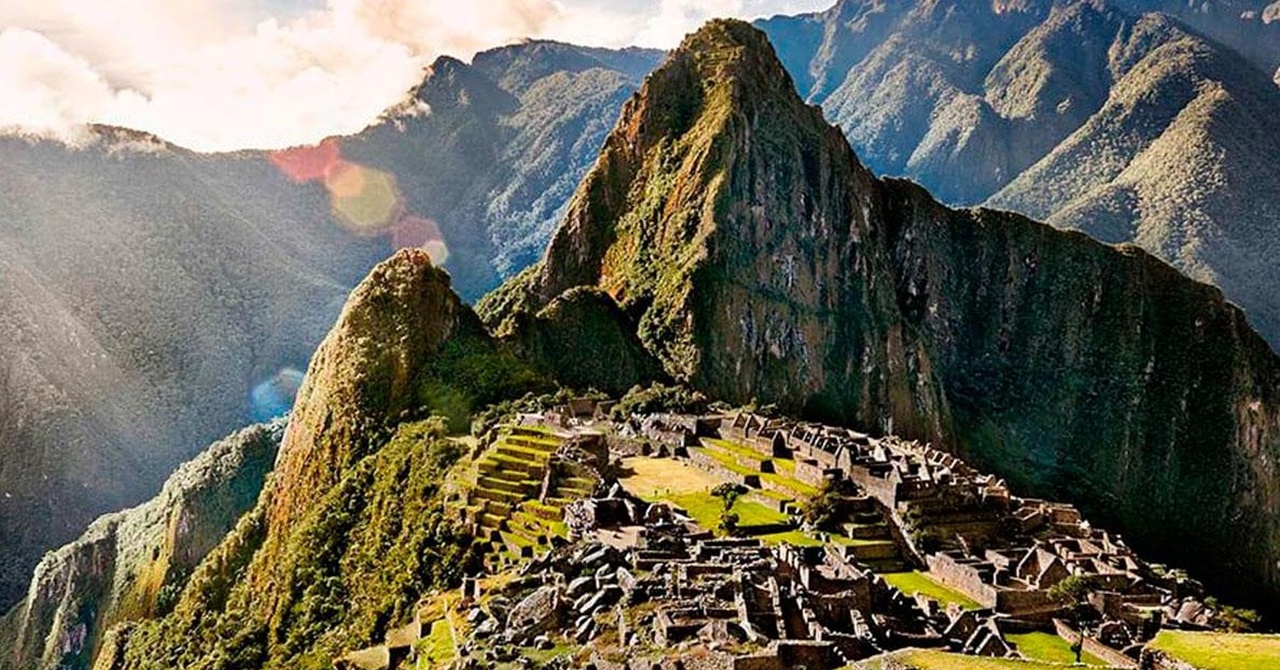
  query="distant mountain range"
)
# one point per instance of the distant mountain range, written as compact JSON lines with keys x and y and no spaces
{"x":1089,"y":115}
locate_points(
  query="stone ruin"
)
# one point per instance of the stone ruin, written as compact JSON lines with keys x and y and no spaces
{"x":641,"y":585}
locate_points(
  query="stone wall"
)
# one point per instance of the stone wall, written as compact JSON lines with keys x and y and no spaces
{"x":1025,"y":603}
{"x":963,"y":578}
{"x":884,"y":489}
{"x":1102,"y":651}
{"x":811,"y":472}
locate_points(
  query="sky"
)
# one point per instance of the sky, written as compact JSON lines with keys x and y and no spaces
{"x":219,"y":75}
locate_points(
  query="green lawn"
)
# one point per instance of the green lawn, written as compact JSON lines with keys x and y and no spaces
{"x":739,"y":449}
{"x":1220,"y":651}
{"x":436,"y":650}
{"x":940,"y":660}
{"x":915,"y":582}
{"x":1049,"y":647}
{"x":705,"y":509}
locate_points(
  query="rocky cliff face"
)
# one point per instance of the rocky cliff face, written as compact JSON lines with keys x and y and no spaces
{"x":759,"y":260}
{"x":722,"y":258}
{"x":132,"y":565}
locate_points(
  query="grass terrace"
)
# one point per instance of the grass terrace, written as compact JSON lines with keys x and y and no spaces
{"x":705,"y":509}
{"x":686,"y":487}
{"x":1220,"y":651}
{"x":726,"y":457}
{"x":1049,"y":647}
{"x":915,"y":582}
{"x":436,"y":650}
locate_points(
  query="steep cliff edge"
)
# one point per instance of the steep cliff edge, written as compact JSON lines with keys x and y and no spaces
{"x":1149,"y":122}
{"x":759,"y":260}
{"x":132,"y":564}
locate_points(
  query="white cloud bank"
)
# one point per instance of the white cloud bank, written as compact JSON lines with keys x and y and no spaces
{"x":215,"y":75}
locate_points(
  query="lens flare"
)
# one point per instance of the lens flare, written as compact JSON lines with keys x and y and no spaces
{"x":416,"y":232}
{"x":274,"y":397}
{"x":366,"y":201}
{"x":304,"y":164}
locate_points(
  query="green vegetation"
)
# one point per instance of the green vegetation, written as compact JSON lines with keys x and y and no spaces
{"x":355,"y":567}
{"x":730,"y":463}
{"x":728,"y":493}
{"x":585,"y":341}
{"x":660,"y":398}
{"x":1220,"y":651}
{"x":437,"y":649}
{"x":826,"y":508}
{"x":706,"y":509}
{"x":469,"y":374}
{"x":796,"y":537}
{"x":1049,"y":647}
{"x":1233,"y":619}
{"x":1073,"y":593}
{"x":922,"y":659}
{"x":915,"y":582}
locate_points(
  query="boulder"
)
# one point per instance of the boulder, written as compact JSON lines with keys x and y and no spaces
{"x":537,"y":613}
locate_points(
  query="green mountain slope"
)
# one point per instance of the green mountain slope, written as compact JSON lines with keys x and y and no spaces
{"x":147,"y":291}
{"x":354,"y":525}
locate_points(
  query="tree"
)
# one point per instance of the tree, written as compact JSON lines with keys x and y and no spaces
{"x":728,"y":493}
{"x":826,"y":508}
{"x":1073,"y":594}
{"x":1237,"y":620}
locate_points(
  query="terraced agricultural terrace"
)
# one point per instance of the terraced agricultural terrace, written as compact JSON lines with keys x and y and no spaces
{"x":516,"y":504}
{"x":606,"y":542}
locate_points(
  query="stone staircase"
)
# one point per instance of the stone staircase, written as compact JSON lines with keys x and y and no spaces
{"x":507,"y":504}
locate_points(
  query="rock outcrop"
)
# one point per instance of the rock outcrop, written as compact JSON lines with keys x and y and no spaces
{"x":762,"y":262}
{"x":132,"y":565}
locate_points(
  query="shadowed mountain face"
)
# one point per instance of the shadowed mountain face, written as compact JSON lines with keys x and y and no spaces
{"x":758,"y":260}
{"x":1092,"y":116}
{"x":143,"y":296}
{"x":153,"y":299}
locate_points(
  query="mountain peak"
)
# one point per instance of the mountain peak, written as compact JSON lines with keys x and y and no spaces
{"x":364,"y":373}
{"x":730,"y":43}
{"x":717,"y":178}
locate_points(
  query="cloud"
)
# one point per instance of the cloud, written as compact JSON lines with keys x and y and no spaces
{"x":230,"y":74}
{"x":46,"y":90}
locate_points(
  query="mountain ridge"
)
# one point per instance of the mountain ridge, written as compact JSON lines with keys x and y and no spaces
{"x":131,"y":565}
